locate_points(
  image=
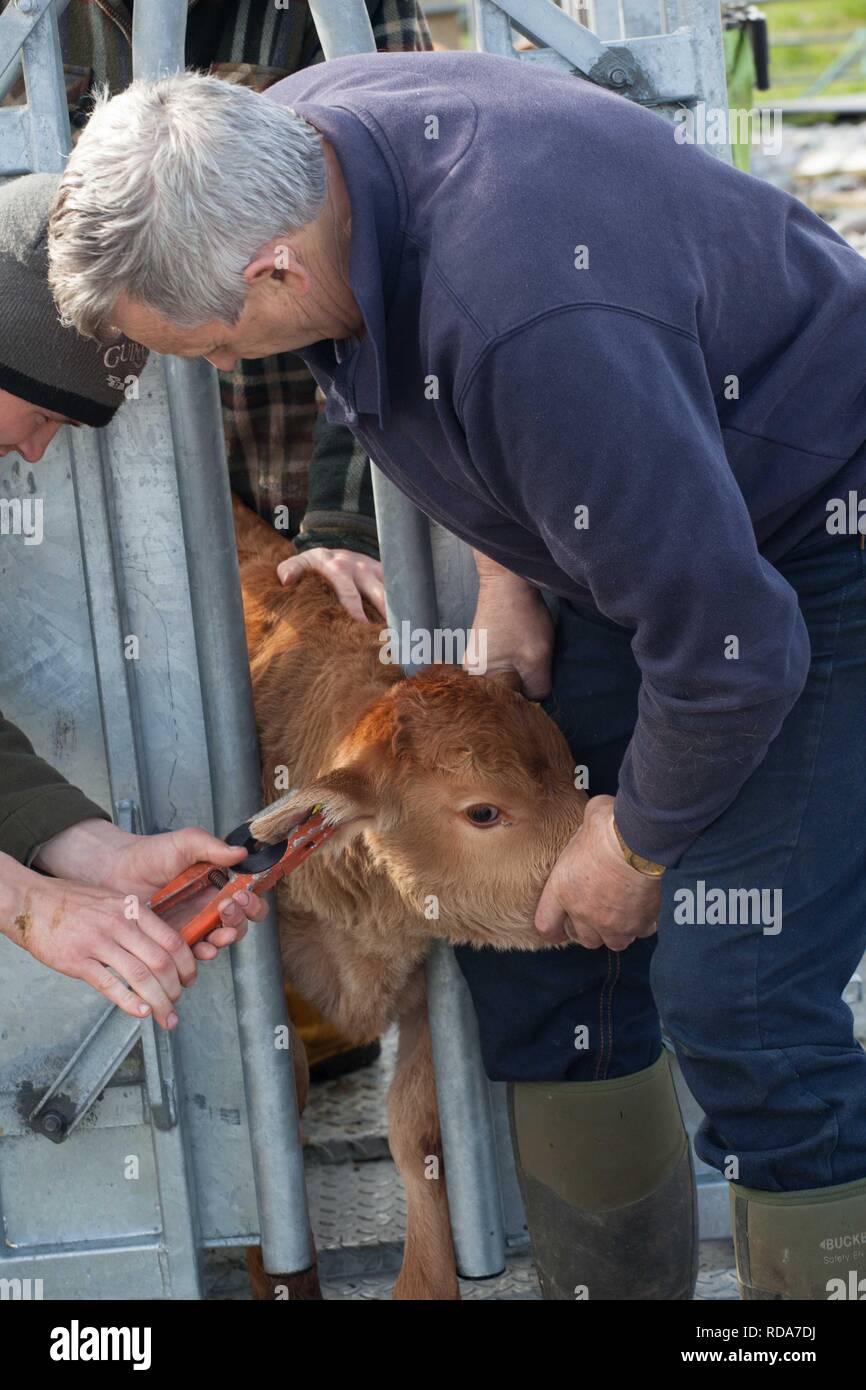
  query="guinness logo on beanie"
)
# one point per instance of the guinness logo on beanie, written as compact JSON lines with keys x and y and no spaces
{"x":41,"y":360}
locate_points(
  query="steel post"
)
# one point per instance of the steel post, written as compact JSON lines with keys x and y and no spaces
{"x":193,"y":398}
{"x":410,"y":581}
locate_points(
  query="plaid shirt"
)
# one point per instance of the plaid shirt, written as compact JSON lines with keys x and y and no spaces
{"x":281,"y":451}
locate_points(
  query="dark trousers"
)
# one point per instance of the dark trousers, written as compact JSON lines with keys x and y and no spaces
{"x":750,"y":992}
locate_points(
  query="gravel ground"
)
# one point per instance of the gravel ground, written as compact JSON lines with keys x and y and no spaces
{"x":825,"y":166}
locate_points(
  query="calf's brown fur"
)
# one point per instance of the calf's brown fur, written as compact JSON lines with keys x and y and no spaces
{"x":412,"y":772}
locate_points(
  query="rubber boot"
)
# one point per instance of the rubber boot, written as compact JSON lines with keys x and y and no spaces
{"x":801,"y":1245}
{"x":606,"y":1173}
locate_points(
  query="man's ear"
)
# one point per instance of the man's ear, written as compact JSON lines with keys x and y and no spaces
{"x":344,"y":796}
{"x":262,"y":265}
{"x":278,"y":260}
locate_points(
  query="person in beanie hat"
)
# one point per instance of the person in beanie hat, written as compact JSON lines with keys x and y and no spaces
{"x":42,"y":362}
{"x":65,"y":870}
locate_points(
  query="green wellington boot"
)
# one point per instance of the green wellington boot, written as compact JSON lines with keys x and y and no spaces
{"x":606,"y":1173}
{"x":801,"y":1245}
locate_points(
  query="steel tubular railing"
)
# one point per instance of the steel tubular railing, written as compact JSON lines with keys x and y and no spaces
{"x":465,"y":1111}
{"x":158,"y":48}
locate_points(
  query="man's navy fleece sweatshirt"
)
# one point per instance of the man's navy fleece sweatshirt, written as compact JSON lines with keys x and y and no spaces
{"x":695,"y":379}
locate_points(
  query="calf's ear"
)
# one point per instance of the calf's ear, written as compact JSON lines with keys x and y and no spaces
{"x":343,"y":795}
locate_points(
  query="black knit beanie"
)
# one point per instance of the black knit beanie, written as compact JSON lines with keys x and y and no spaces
{"x":40,"y":360}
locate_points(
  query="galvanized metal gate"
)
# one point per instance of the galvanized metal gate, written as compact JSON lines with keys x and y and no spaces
{"x":193,"y":1139}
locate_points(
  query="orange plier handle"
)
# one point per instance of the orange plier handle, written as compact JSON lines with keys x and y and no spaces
{"x":263,"y":867}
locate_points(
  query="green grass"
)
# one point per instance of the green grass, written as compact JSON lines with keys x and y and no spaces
{"x":793,"y":69}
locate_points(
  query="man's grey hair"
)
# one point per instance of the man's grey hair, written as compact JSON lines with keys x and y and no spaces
{"x":171,"y":190}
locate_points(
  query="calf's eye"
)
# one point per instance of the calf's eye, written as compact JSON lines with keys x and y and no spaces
{"x":482,"y":815}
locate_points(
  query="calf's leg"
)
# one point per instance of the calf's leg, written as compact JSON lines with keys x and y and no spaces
{"x":429,"y":1269}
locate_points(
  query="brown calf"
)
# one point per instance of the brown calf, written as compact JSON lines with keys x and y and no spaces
{"x":454,"y":796}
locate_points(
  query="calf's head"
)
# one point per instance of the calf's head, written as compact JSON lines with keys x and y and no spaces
{"x":463,"y":793}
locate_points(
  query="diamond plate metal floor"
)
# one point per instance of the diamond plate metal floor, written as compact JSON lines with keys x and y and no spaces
{"x":345,"y":1119}
{"x":358,"y":1209}
{"x":226,"y":1279}
{"x":358,"y":1214}
{"x":716,"y":1280}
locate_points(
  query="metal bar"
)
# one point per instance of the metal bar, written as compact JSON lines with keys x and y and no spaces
{"x":604,"y":19}
{"x":45,"y":120}
{"x":14,"y":141}
{"x":474,"y":1162}
{"x":853,"y":51}
{"x":547,"y":26}
{"x":813,"y":40}
{"x":670,"y":15}
{"x":179,"y":1257}
{"x":158,"y":48}
{"x":462,"y":1088}
{"x":407,"y":559}
{"x":465,"y":1114}
{"x":115,"y":1033}
{"x":704,"y":18}
{"x":10,"y":77}
{"x":466,"y":1120}
{"x":655,"y":69}
{"x":492,"y":29}
{"x":641,"y":18}
{"x":343,"y":27}
{"x":36,"y":137}
{"x":667,"y":62}
{"x":205,"y":503}
{"x":847,"y":104}
{"x":13,"y":71}
{"x":17,"y":23}
{"x":159,"y":1076}
{"x":77,"y":1086}
{"x":158,"y":39}
{"x":214,"y":579}
{"x":91,"y":481}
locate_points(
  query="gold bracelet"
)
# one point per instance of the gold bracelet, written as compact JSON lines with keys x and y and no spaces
{"x":637,"y":861}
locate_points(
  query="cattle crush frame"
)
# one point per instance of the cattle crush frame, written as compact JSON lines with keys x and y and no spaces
{"x":167,"y":1145}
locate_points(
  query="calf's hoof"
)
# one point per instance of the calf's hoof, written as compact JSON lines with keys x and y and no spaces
{"x":281,"y":1288}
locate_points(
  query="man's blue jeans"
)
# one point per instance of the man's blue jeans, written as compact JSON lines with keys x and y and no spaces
{"x":751,"y":1003}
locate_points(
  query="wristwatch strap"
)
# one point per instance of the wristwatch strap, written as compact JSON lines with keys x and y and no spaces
{"x":637,"y":861}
